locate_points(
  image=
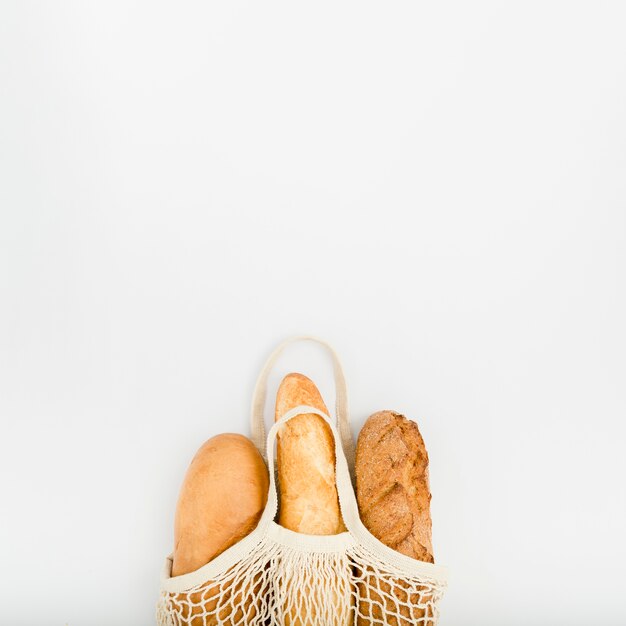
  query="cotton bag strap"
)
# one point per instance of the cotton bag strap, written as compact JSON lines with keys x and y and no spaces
{"x":341,"y":399}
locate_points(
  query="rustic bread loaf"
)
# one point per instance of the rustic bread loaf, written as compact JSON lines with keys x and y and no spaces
{"x":306,"y":463}
{"x":221,"y":500}
{"x":393,"y":495}
{"x":392,"y":484}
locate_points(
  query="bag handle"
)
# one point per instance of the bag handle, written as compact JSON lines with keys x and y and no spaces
{"x":341,"y":398}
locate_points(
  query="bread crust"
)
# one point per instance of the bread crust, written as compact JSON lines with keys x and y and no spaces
{"x":392,"y":484}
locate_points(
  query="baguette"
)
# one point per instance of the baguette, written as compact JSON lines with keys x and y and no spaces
{"x":310,"y":505}
{"x":306,"y":463}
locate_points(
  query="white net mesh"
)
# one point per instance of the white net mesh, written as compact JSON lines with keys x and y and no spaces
{"x":283,"y":586}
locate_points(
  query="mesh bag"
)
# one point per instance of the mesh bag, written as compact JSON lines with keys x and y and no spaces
{"x":276,"y":577}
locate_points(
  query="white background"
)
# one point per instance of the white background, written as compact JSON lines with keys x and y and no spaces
{"x":439,"y":189}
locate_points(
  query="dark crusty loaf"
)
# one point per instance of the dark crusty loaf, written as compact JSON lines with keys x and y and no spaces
{"x":392,"y":484}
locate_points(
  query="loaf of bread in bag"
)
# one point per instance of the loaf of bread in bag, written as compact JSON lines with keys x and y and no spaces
{"x":221,"y":500}
{"x":392,"y":486}
{"x":306,"y":462}
{"x":309,"y":504}
{"x":393,"y":495}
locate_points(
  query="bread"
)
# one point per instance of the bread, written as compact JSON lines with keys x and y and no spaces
{"x":392,"y":484}
{"x":221,"y":500}
{"x":310,"y":505}
{"x":393,"y":495}
{"x":306,"y":463}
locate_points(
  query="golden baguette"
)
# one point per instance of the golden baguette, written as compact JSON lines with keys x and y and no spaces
{"x":309,"y":504}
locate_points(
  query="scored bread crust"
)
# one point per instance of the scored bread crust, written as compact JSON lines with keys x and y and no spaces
{"x":306,"y":462}
{"x":392,"y":484}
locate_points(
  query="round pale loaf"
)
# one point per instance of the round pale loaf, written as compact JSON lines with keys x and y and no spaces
{"x":221,"y":500}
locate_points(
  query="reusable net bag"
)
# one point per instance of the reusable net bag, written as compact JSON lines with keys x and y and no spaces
{"x":276,"y":577}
